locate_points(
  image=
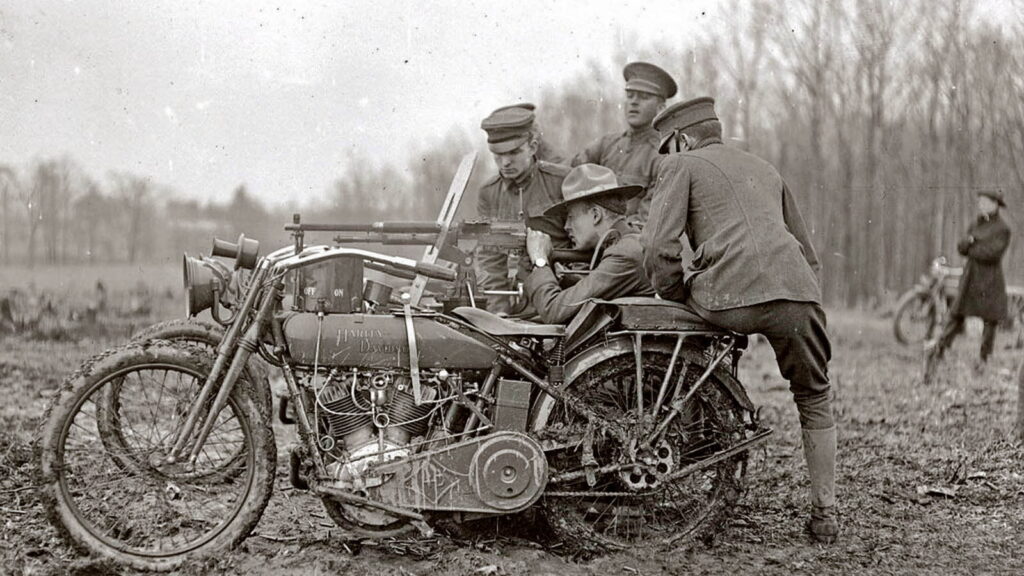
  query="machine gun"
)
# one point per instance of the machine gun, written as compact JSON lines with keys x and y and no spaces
{"x":447,"y":244}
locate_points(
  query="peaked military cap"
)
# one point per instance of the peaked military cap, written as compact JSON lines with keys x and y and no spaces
{"x":508,"y":127}
{"x":645,"y":77}
{"x":681,"y":116}
{"x":597,"y":184}
{"x":524,"y":105}
{"x":995,"y":195}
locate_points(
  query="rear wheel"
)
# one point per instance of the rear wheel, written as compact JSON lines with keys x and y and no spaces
{"x":148,"y":514}
{"x":642,"y":503}
{"x":916,"y":318}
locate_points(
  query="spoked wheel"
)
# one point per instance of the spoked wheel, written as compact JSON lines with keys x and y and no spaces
{"x":916,"y":318}
{"x":115,"y":425}
{"x":643,"y":503}
{"x":148,"y":514}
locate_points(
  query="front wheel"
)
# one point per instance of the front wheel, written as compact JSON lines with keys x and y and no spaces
{"x":151,"y":515}
{"x":916,"y":318}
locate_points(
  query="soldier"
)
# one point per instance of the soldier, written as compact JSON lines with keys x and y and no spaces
{"x":595,"y":219}
{"x":753,"y":271}
{"x":982,"y":286}
{"x":522,"y":190}
{"x":633,"y":153}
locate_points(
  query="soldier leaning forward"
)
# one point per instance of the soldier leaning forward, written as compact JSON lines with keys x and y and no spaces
{"x":633,"y":154}
{"x":753,"y":271}
{"x":522,"y":190}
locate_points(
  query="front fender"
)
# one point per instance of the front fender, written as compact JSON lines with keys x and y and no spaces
{"x":619,"y":346}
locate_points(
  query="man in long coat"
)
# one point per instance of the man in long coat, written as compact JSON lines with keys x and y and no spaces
{"x":982,"y":286}
{"x":753,"y":271}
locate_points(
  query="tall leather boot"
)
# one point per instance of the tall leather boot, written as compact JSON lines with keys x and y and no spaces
{"x":820,"y":453}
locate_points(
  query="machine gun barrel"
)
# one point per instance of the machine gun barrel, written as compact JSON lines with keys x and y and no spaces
{"x":401,"y":227}
{"x":504,"y":235}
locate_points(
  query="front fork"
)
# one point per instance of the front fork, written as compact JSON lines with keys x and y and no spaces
{"x":236,"y":350}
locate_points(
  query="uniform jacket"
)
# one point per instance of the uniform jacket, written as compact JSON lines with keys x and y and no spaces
{"x":504,"y":200}
{"x":619,"y":273}
{"x":749,"y":240}
{"x":982,"y":286}
{"x":634,"y":158}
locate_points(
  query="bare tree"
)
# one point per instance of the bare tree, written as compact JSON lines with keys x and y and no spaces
{"x":9,"y":187}
{"x":133,"y":195}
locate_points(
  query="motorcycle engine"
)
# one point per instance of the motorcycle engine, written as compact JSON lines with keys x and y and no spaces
{"x":369,"y":417}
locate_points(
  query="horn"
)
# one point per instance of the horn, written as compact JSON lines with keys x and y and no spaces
{"x":201,"y":285}
{"x":245,"y":251}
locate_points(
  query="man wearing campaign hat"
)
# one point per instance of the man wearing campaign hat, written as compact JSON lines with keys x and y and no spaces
{"x":753,"y":270}
{"x":632,"y":154}
{"x":982,"y":286}
{"x":595,"y":218}
{"x":522,"y":191}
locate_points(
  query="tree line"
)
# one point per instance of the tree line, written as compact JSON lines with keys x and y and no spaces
{"x":884,"y":118}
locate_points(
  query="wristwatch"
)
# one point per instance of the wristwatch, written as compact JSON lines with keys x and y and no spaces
{"x":540,"y":262}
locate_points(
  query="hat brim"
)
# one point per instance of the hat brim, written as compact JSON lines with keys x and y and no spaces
{"x":664,"y":145}
{"x":508,"y":145}
{"x":626,"y":192}
{"x":996,"y":199}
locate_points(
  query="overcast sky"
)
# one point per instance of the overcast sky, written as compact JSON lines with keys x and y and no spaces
{"x":203,"y":96}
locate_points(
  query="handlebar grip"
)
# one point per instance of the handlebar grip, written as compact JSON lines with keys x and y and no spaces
{"x":436,"y":272}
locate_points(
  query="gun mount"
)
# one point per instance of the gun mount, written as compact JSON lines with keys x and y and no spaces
{"x":448,"y":242}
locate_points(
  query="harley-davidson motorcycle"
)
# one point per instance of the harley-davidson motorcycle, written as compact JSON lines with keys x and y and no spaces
{"x":626,"y":427}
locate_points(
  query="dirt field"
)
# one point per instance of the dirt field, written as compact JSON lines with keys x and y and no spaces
{"x":930,"y":479}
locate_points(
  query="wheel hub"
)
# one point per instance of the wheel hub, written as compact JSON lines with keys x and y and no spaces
{"x":649,"y":467}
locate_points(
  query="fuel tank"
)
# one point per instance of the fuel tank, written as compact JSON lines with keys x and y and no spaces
{"x":380,"y":341}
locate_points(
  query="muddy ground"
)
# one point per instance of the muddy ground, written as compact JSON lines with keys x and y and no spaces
{"x":931,"y":482}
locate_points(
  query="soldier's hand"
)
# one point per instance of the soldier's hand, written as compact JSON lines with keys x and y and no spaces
{"x":538,"y":245}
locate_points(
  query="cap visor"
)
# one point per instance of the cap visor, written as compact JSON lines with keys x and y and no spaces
{"x":507,"y":145}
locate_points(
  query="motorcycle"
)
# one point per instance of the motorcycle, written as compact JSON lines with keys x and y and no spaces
{"x":923,"y":308}
{"x":627,"y":426}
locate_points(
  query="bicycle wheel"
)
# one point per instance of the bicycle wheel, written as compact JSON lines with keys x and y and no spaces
{"x":915,"y":318}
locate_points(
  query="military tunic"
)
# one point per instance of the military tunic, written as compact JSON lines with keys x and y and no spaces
{"x":753,"y":267}
{"x":503,"y":200}
{"x":633,"y":156}
{"x":619,"y":273}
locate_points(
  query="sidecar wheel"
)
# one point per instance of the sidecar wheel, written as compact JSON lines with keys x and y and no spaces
{"x":150,"y":515}
{"x":636,"y":507}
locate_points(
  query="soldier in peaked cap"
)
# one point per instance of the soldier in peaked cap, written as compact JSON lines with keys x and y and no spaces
{"x":633,"y":153}
{"x":522,"y":191}
{"x":595,"y":206}
{"x":753,"y":270}
{"x":982,"y":286}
